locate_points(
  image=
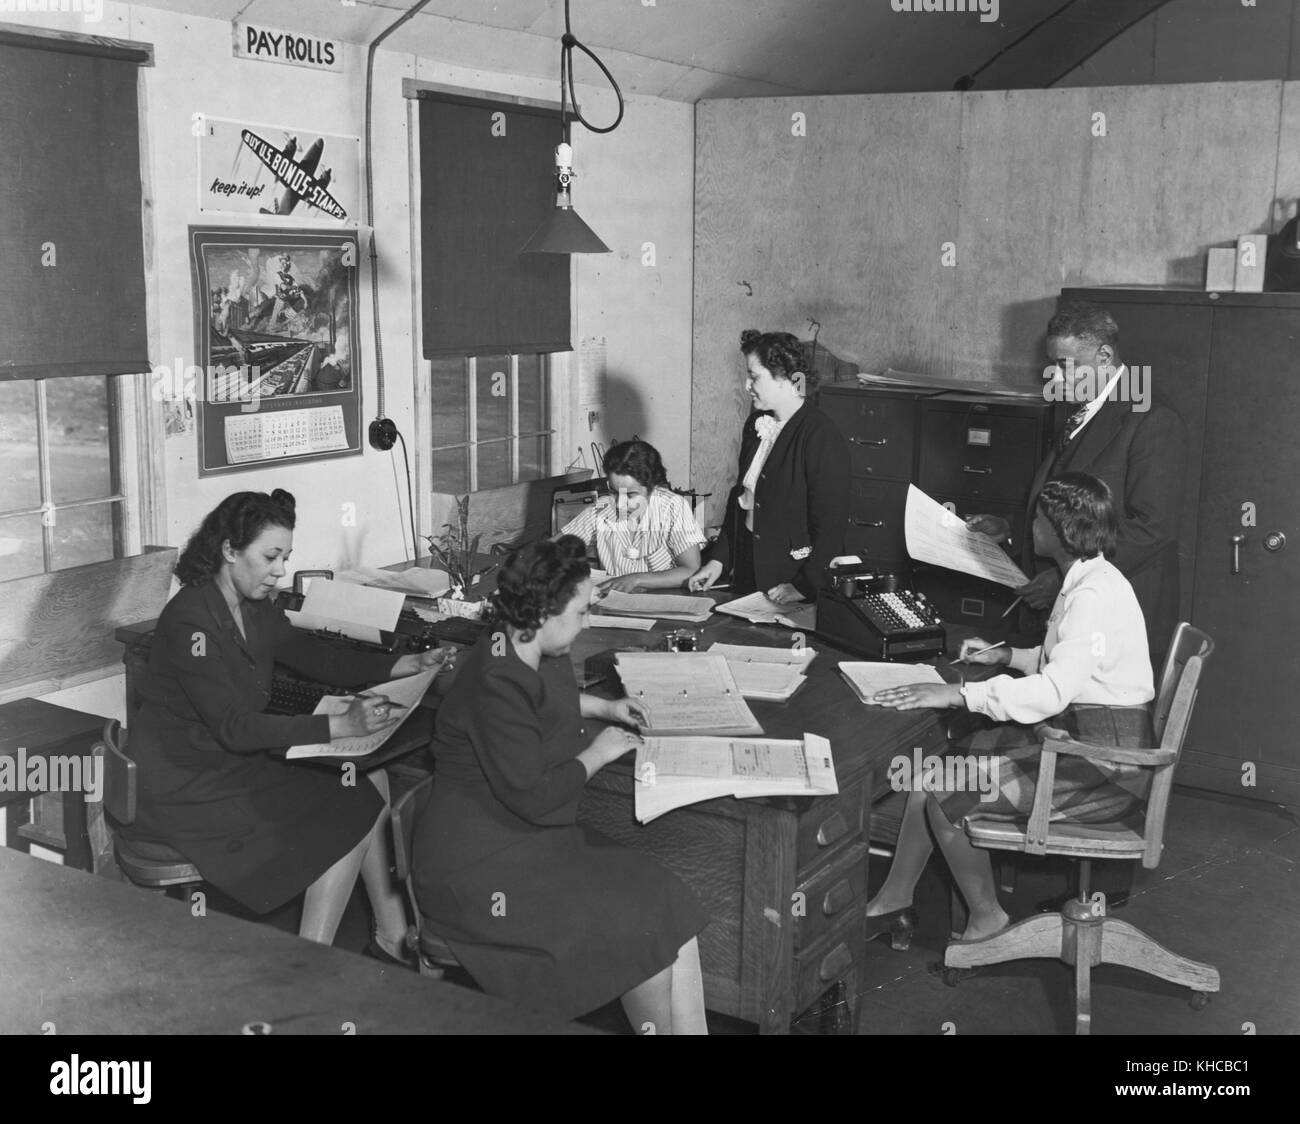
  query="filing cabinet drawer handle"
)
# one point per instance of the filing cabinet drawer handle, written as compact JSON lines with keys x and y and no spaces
{"x":837,"y":897}
{"x":868,"y":523}
{"x":867,"y":441}
{"x":831,"y":829}
{"x":977,"y":471}
{"x":835,"y":963}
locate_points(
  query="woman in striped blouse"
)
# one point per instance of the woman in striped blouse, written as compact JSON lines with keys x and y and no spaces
{"x":644,"y":533}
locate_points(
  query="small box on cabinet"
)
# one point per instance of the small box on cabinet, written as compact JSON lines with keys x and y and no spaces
{"x":1252,"y":250}
{"x":1221,"y":270}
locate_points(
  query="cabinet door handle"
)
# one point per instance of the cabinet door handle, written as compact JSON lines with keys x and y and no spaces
{"x":868,"y":523}
{"x":1236,"y":541}
{"x":977,"y":471}
{"x":867,"y":441}
{"x":831,"y":829}
{"x":837,"y":897}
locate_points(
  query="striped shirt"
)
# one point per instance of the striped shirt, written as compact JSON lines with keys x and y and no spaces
{"x":666,"y":530}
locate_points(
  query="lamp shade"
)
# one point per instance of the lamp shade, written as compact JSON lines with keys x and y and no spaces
{"x":564,"y":232}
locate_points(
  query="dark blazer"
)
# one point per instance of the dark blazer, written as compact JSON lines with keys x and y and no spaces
{"x":258,"y":828}
{"x":1143,"y":457}
{"x":801,"y":502}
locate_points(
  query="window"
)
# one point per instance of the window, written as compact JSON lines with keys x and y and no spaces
{"x":65,"y":477}
{"x":490,"y":421}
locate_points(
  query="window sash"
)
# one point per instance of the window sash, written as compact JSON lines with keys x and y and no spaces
{"x":514,"y":435}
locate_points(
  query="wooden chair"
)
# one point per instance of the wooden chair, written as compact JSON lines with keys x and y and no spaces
{"x":153,"y":866}
{"x":432,"y":952}
{"x":1082,"y":934}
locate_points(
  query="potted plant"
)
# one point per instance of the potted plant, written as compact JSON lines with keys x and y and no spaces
{"x":455,"y":551}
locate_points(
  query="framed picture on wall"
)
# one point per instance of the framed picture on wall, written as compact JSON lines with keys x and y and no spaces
{"x":275,"y":315}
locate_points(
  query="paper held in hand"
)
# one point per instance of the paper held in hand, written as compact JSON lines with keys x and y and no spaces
{"x":674,"y":772}
{"x":405,"y":692}
{"x":941,"y":538}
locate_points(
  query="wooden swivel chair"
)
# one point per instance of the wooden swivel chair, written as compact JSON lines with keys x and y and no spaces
{"x":153,"y":866}
{"x":1082,"y":934}
{"x":432,"y":952}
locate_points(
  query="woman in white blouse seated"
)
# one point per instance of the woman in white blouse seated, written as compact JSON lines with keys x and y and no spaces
{"x":645,"y":533}
{"x":1091,"y":678}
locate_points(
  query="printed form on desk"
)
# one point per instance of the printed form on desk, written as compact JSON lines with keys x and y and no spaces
{"x":686,"y":693}
{"x":674,"y":772}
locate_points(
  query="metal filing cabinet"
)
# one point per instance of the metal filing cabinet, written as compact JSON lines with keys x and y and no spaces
{"x":978,"y":453}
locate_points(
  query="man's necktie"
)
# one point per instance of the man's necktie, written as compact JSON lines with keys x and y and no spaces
{"x":1070,"y":428}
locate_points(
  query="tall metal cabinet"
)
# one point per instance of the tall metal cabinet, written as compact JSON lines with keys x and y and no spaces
{"x":1229,"y":363}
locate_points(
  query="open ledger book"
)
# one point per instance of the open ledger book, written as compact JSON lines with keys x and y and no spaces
{"x":405,"y":692}
{"x":686,"y":693}
{"x":867,"y":678}
{"x":674,"y":772}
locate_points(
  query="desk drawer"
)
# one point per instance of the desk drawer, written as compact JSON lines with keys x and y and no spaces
{"x":837,"y":956}
{"x":831,"y":894}
{"x":832,"y":822}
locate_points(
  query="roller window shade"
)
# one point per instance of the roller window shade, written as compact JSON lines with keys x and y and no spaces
{"x":72,"y":283}
{"x":485,"y":186}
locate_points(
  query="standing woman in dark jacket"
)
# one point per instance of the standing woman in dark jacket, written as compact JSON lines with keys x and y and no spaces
{"x":786,"y":516}
{"x":259,"y":829}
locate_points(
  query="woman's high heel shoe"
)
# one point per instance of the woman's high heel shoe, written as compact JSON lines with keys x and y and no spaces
{"x":900,"y":924}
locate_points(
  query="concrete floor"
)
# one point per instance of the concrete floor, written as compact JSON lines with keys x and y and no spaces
{"x":1227,"y":892}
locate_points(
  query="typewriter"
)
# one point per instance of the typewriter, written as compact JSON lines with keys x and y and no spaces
{"x":872,"y":617}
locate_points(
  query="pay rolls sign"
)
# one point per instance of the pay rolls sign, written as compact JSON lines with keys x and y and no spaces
{"x":271,"y":44}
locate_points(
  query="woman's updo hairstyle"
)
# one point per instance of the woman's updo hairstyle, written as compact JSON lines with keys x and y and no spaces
{"x":239,"y":518}
{"x":538,"y":581}
{"x":781,"y":353}
{"x":639,"y":460}
{"x":1081,"y":511}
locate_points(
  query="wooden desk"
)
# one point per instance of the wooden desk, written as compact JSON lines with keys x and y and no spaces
{"x":767,"y":954}
{"x":91,"y":956}
{"x":45,"y":730}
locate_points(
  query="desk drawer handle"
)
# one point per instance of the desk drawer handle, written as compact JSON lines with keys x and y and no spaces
{"x":868,"y":523}
{"x":835,"y":963}
{"x":977,"y":471}
{"x":867,"y":441}
{"x":837,"y":897}
{"x":831,"y":829}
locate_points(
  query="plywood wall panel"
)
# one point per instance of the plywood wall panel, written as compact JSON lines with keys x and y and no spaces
{"x":842,"y":225}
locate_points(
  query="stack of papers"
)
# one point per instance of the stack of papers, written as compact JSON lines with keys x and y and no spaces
{"x":686,"y":693}
{"x":868,"y":678}
{"x":418,"y":581}
{"x":665,"y":606}
{"x":759,"y":609}
{"x":674,"y":772}
{"x":768,"y":674}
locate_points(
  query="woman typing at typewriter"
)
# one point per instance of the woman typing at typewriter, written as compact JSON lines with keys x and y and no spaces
{"x":1091,"y":678}
{"x":785,"y":517}
{"x":259,"y":829}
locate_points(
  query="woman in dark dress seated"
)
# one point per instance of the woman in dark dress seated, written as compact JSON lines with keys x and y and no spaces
{"x":259,"y":829}
{"x":1091,"y":677}
{"x":537,"y":908}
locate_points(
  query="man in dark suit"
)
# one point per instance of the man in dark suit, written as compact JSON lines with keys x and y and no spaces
{"x":1139,"y":448}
